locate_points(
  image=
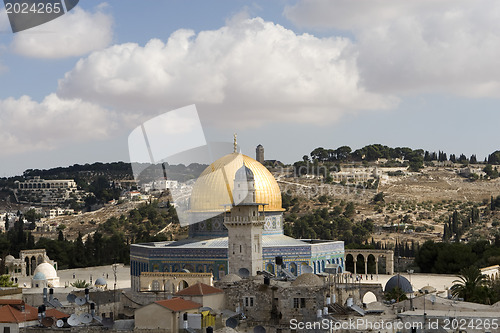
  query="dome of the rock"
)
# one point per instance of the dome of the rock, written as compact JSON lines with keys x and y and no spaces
{"x":214,"y":188}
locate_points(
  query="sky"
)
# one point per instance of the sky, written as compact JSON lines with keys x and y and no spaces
{"x":290,"y":75}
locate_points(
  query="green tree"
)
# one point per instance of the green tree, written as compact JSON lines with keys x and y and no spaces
{"x":471,"y":285}
{"x":396,"y":294}
{"x":349,"y":210}
{"x":379,"y":197}
{"x":80,"y":284}
{"x":6,"y":222}
{"x":32,"y":216}
{"x":5,"y":281}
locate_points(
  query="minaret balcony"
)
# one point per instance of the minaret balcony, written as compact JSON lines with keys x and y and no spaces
{"x":245,"y":220}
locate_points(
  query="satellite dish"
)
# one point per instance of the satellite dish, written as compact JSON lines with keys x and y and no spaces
{"x":206,"y":308}
{"x":185,"y":271}
{"x":60,"y":323}
{"x":85,"y":318}
{"x":243,"y":272}
{"x":80,"y":301}
{"x":307,"y":269}
{"x":232,"y":322}
{"x":73,"y":320}
{"x":47,"y":322}
{"x":259,"y":329}
{"x":71,"y":298}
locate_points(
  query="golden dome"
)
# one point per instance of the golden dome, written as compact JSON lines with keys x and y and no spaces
{"x":214,"y":188}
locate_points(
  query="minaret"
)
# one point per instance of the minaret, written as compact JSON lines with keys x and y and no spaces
{"x":244,"y":227}
{"x":259,"y":154}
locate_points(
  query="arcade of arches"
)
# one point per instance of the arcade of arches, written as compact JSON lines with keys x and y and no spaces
{"x":369,"y":261}
{"x":172,"y":282}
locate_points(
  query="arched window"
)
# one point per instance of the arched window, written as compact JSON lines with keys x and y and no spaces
{"x":155,"y":286}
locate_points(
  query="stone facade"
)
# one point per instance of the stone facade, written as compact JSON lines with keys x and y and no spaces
{"x":276,"y":303}
{"x":169,"y":282}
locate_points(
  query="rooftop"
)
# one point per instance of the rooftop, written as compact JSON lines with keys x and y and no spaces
{"x":221,"y":242}
{"x":178,"y":304}
{"x":199,"y":289}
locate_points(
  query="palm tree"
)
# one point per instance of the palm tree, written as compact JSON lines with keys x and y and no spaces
{"x":80,"y":284}
{"x":471,"y":285}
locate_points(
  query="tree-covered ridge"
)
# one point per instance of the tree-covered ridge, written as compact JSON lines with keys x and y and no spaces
{"x":117,"y":170}
{"x":450,"y":258}
{"x":109,"y":244}
{"x":146,"y":223}
{"x":334,"y":223}
{"x":373,"y":152}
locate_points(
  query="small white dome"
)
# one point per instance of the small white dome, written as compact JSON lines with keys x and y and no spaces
{"x":9,"y":258}
{"x":39,"y":276}
{"x":101,"y":282}
{"x":47,"y":269}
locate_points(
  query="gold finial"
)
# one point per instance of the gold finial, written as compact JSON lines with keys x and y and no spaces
{"x":235,"y":148}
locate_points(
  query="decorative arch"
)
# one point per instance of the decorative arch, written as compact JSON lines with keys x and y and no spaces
{"x":369,"y":297}
{"x":182,"y":285}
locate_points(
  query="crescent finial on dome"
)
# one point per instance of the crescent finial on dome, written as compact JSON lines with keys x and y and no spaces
{"x":235,"y":144}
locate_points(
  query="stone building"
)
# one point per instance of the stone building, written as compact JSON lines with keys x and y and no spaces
{"x":207,"y":296}
{"x":164,"y":316}
{"x":47,"y":192}
{"x":27,"y":262}
{"x":273,"y":303}
{"x":259,"y":154}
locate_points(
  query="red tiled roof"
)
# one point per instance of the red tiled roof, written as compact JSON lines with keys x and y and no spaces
{"x":11,"y":301}
{"x":178,"y":304}
{"x":10,"y":314}
{"x":13,"y":314}
{"x":199,"y":289}
{"x":54,"y":313}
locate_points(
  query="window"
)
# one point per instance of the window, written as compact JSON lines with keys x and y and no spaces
{"x":248,"y":301}
{"x":156,"y":285}
{"x":299,"y":303}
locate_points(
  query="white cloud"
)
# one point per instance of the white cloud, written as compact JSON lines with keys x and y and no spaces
{"x":247,"y":72}
{"x":4,"y":21}
{"x":76,"y":33}
{"x":27,"y":125}
{"x":416,"y":46}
